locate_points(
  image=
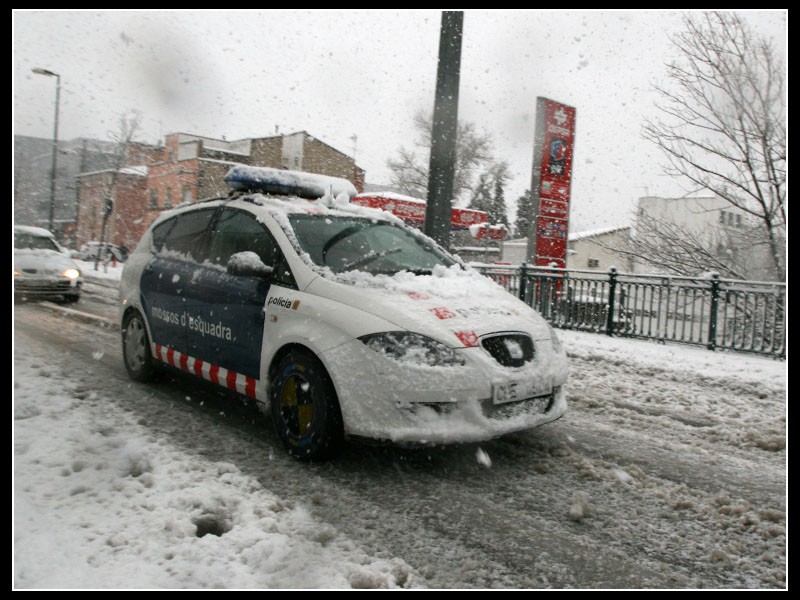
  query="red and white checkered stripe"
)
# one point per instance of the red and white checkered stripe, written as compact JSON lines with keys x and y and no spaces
{"x":213,"y":373}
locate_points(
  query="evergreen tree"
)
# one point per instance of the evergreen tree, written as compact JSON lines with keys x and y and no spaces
{"x":499,"y":213}
{"x":524,"y":215}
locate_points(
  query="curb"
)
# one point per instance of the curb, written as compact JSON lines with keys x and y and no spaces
{"x":81,"y":316}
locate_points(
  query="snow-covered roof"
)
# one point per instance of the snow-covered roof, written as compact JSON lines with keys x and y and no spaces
{"x":215,"y":144}
{"x":138,"y":170}
{"x":516,"y":242}
{"x":394,"y":196}
{"x":134,"y":170}
{"x":582,"y":235}
{"x":232,"y":163}
{"x":477,"y":249}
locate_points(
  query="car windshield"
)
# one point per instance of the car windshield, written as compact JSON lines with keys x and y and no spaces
{"x":353,"y":244}
{"x":34,"y":242}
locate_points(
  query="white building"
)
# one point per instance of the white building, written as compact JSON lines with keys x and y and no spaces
{"x":709,"y":232}
{"x":586,"y":250}
{"x":689,"y":236}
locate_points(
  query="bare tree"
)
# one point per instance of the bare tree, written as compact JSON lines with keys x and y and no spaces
{"x":410,"y":168}
{"x":669,"y":247}
{"x":723,"y":120}
{"x":122,"y":137}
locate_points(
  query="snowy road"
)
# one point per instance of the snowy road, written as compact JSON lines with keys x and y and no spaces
{"x":669,"y":470}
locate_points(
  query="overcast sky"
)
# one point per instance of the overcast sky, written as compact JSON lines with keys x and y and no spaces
{"x":354,"y":79}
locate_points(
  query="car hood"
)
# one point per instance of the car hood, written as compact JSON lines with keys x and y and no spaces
{"x":45,"y":262}
{"x":455,"y":305}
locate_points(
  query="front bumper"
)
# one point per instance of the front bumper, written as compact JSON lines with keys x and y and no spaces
{"x":45,"y":287}
{"x":384,"y":399}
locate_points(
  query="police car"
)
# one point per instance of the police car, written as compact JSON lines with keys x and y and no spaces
{"x":339,"y":320}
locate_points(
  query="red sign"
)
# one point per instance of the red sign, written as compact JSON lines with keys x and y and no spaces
{"x":553,"y":208}
{"x":555,"y":137}
{"x":412,"y":210}
{"x":549,"y":227}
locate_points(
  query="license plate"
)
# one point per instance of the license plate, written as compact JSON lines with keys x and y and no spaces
{"x":514,"y":391}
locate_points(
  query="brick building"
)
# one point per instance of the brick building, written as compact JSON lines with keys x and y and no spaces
{"x":32,"y":178}
{"x":189,"y":168}
{"x":125,"y":224}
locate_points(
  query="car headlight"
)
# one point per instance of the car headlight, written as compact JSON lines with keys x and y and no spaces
{"x":554,"y":340}
{"x":71,"y":273}
{"x":406,"y":346}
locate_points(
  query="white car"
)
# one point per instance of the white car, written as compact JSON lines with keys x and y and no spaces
{"x":338,"y":319}
{"x":42,"y":269}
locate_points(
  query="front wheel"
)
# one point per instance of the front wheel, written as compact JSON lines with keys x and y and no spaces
{"x":70,"y":298}
{"x":136,"y":348}
{"x":305,"y":409}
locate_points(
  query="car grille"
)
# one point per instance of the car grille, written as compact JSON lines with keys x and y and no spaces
{"x":529,"y":406}
{"x":509,"y":349}
{"x":44,"y":287}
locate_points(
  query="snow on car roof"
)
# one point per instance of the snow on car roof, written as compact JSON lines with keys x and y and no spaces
{"x":325,"y":205}
{"x":284,"y":182}
{"x":37,"y":231}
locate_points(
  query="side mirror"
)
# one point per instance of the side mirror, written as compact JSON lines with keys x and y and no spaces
{"x":248,"y":264}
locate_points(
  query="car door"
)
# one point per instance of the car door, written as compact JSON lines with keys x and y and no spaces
{"x":179,"y":246}
{"x":226,"y":325}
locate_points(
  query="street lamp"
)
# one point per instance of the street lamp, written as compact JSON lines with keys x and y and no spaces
{"x":39,"y":71}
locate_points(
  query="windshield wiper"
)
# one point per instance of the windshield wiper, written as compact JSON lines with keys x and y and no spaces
{"x":369,"y":257}
{"x":420,"y":271}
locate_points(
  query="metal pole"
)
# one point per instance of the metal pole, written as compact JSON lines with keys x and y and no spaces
{"x":445,"y":127}
{"x":54,"y":161}
{"x":538,"y":151}
{"x":612,"y":287}
{"x":713,"y":312}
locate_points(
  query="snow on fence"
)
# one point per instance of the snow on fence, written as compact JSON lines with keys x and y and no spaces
{"x":747,"y":316}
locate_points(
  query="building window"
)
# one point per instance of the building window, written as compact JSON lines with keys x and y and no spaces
{"x":186,"y":194}
{"x":722,"y":217}
{"x":153,"y":198}
{"x":593,"y":263}
{"x":168,"y":199}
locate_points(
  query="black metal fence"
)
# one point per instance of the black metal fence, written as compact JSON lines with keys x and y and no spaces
{"x":748,"y":316}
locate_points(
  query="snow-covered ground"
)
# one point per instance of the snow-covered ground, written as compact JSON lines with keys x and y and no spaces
{"x":105,"y":271}
{"x":670,"y":467}
{"x":100,"y":502}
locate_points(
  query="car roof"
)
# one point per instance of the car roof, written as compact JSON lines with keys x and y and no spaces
{"x":276,"y":206}
{"x":36,"y":231}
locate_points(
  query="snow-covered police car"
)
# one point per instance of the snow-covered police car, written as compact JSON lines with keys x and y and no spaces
{"x":338,"y":319}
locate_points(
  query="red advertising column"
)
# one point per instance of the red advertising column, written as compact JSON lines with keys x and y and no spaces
{"x":550,"y":186}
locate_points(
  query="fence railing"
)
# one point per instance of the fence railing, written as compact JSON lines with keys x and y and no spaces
{"x":747,"y":316}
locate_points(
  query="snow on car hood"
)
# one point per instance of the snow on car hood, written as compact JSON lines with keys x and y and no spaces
{"x":454,"y":305}
{"x":44,"y":261}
